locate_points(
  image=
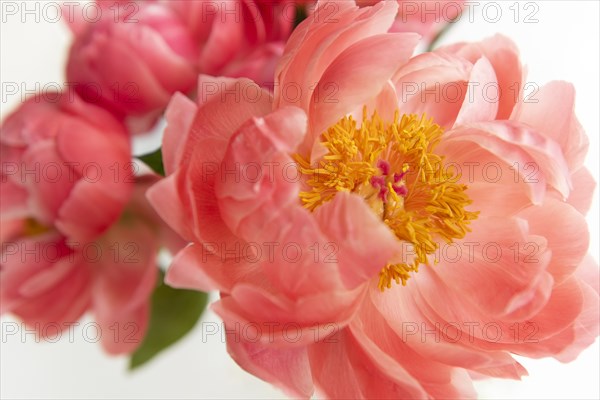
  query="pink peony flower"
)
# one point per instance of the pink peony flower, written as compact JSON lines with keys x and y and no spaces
{"x":49,"y":281}
{"x":240,"y":38}
{"x":374,"y":233}
{"x":135,"y":55}
{"x":77,"y":232}
{"x":61,"y":157}
{"x":131,"y":59}
{"x":66,"y":178}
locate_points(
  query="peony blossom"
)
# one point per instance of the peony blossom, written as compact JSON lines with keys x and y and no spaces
{"x":131,"y":59}
{"x":61,"y":157}
{"x":234,"y":35}
{"x":77,"y":232}
{"x":135,"y":55}
{"x":384,"y":230}
{"x":49,"y":281}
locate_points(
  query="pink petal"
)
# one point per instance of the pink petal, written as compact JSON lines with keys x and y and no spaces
{"x":504,"y":58}
{"x":125,"y":276}
{"x":49,"y":181}
{"x":25,"y":260}
{"x":365,"y":244}
{"x":349,"y":367}
{"x":449,"y":341}
{"x":208,"y":267}
{"x":288,"y":369}
{"x":588,"y":272}
{"x":586,"y":327}
{"x":551,"y":331}
{"x":45,"y":305}
{"x":495,"y":187}
{"x":165,"y":198}
{"x":124,"y":331}
{"x":265,"y":210}
{"x":265,"y":143}
{"x":551,"y":111}
{"x":568,"y":244}
{"x":14,"y":198}
{"x":495,"y":271}
{"x":179,"y":115}
{"x":521,"y":147}
{"x":479,"y":105}
{"x":438,"y":379}
{"x":222,"y":112}
{"x":290,"y":323}
{"x":356,"y":75}
{"x":318,"y":41}
{"x":80,"y":217}
{"x":583,"y":190}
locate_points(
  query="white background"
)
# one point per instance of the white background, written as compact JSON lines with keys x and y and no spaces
{"x":563,"y":44}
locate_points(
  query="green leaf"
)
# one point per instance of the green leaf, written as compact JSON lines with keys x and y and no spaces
{"x":442,"y":33}
{"x":154,"y":161}
{"x":173,"y":314}
{"x":301,"y":15}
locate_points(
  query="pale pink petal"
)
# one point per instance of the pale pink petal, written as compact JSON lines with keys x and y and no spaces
{"x":490,"y":180}
{"x":434,"y":84}
{"x":288,"y":369}
{"x":583,"y":190}
{"x":522,"y":148}
{"x":552,"y":331}
{"x":551,"y":111}
{"x":588,"y":272}
{"x":568,"y":244}
{"x":586,"y":327}
{"x":504,"y":58}
{"x":478,"y":104}
{"x":385,"y":102}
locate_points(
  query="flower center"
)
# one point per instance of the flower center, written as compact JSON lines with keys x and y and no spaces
{"x":394,"y":167}
{"x":32,"y":227}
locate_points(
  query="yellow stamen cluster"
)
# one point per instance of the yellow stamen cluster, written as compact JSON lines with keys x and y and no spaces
{"x":394,"y":167}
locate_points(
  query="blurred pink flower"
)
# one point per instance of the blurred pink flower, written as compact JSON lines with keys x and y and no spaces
{"x":61,"y":159}
{"x":132,"y":59}
{"x":370,"y":170}
{"x":138,"y":53}
{"x":49,"y":281}
{"x":77,"y":233}
{"x":230,"y":33}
